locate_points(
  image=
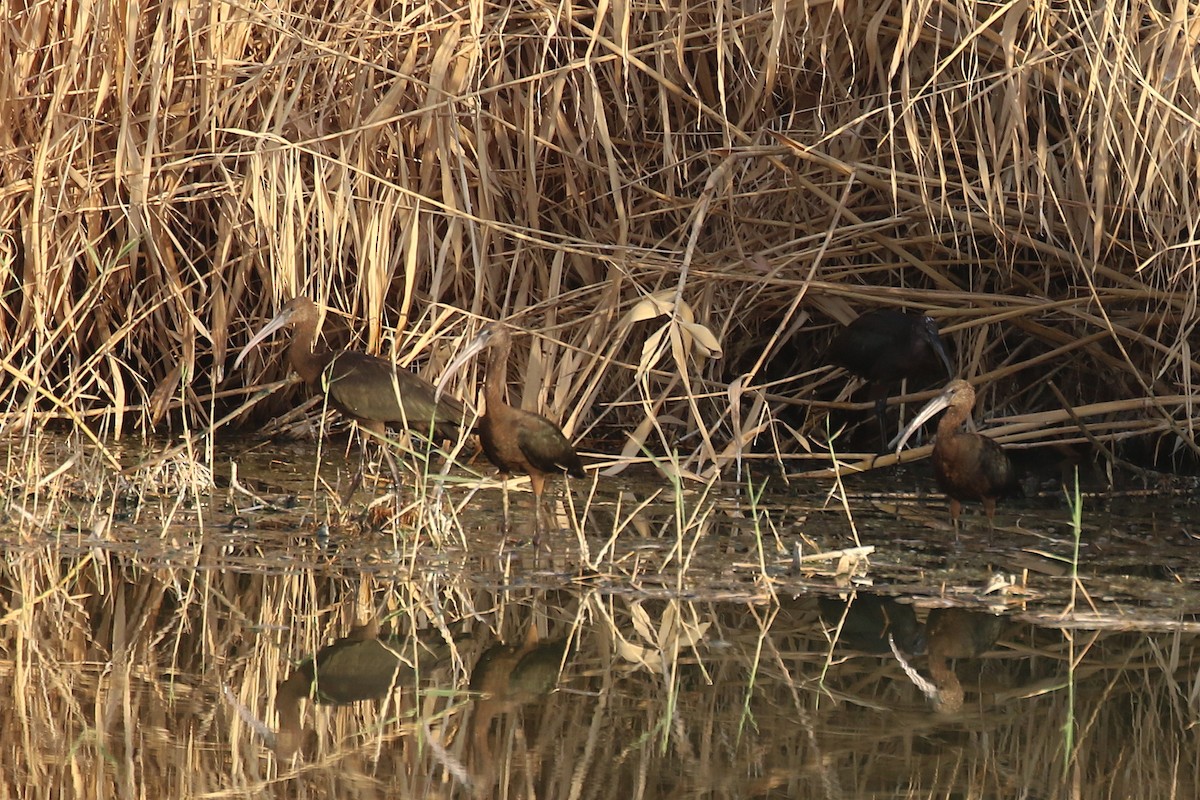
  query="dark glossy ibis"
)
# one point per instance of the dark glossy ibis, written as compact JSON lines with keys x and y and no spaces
{"x":886,"y":346}
{"x":954,"y":633}
{"x":370,"y":390}
{"x":967,"y":465}
{"x":368,"y":664}
{"x":951,"y":633}
{"x":513,"y":439}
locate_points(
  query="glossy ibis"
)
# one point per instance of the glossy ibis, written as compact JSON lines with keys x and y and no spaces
{"x":513,"y":439}
{"x":967,"y":465}
{"x":370,"y":390}
{"x":368,"y":664}
{"x":950,"y":633}
{"x":954,"y":633}
{"x":886,"y":346}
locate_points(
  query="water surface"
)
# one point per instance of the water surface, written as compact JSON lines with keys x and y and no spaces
{"x":806,"y":639}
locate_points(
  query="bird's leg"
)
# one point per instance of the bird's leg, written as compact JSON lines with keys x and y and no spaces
{"x":955,"y":509}
{"x":880,"y":413}
{"x":504,"y":489}
{"x":391,"y":460}
{"x":538,"y":484}
{"x":378,"y":431}
{"x":989,"y":507}
{"x":357,"y":480}
{"x":354,"y":484}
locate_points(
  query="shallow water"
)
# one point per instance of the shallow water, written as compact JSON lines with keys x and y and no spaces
{"x":653,"y":642}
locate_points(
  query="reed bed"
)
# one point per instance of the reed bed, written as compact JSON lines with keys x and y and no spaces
{"x":683,"y":203}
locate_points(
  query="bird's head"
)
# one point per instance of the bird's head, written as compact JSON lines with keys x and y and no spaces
{"x":958,"y":393}
{"x":490,"y":335}
{"x":298,"y":309}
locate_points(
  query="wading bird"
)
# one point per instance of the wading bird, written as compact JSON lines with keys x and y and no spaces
{"x":884,"y":347}
{"x":370,"y":390}
{"x":950,"y":633}
{"x":513,"y":439}
{"x":967,"y":465}
{"x":365,"y":665}
{"x":954,"y":633}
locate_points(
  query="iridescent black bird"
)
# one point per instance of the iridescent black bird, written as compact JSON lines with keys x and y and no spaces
{"x":967,"y":465}
{"x":513,"y":439}
{"x":368,"y":389}
{"x":886,"y":346}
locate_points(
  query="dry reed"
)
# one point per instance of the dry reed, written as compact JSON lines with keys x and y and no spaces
{"x":1027,"y":175}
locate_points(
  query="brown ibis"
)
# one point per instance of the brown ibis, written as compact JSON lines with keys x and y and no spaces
{"x":886,"y":346}
{"x":950,"y":633}
{"x":368,"y":389}
{"x":967,"y":465}
{"x":954,"y":633}
{"x":513,"y":439}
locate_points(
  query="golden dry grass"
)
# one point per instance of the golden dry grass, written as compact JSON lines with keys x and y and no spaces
{"x":1027,"y":174}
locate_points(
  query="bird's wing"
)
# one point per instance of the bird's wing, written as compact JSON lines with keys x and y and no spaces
{"x":998,"y":467}
{"x":371,"y":388}
{"x":545,"y":447}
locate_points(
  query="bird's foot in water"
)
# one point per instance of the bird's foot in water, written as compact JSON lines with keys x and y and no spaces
{"x":348,"y":492}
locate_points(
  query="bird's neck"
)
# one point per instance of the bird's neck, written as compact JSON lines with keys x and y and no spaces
{"x":495,"y":380}
{"x":308,"y":364}
{"x":952,"y":421}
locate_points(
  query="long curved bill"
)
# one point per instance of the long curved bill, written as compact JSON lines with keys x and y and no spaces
{"x":941,"y":351}
{"x":473,"y":348}
{"x":927,"y":411}
{"x":934,"y":338}
{"x":280,"y":320}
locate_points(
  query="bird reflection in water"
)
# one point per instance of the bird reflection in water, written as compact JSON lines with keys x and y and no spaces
{"x":361,"y":666}
{"x":506,"y":678}
{"x":952,"y":633}
{"x":368,"y":665}
{"x":866,"y":622}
